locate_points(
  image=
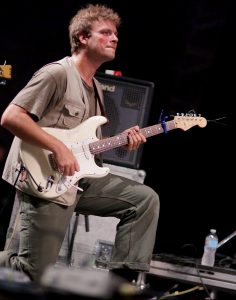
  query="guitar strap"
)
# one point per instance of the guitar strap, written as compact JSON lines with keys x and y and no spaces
{"x":99,"y":101}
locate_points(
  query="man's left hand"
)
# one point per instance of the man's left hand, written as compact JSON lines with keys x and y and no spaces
{"x":135,"y":138}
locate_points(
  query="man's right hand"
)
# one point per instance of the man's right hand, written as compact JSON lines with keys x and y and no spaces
{"x":66,"y":161}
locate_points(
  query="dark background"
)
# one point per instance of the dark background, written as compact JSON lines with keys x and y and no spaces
{"x":187,"y":48}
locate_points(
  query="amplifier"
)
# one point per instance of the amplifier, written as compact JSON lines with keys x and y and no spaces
{"x":127,"y":103}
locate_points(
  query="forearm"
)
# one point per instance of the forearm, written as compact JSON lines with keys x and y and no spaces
{"x":20,"y":124}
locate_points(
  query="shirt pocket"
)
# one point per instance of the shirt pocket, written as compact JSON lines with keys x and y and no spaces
{"x":72,"y":115}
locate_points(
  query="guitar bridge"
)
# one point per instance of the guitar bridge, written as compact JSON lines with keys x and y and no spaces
{"x":52,"y":162}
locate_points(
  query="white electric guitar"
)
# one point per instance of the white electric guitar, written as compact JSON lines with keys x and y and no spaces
{"x":43,"y":177}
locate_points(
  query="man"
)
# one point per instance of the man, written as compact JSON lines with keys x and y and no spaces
{"x":62,"y":95}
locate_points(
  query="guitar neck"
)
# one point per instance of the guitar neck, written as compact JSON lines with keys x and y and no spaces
{"x":122,"y":138}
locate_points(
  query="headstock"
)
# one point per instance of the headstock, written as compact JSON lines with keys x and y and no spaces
{"x":186,"y":122}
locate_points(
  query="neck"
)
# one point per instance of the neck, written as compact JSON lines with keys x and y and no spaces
{"x":85,"y":67}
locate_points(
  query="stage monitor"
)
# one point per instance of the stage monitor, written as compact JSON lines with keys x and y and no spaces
{"x":127,"y":103}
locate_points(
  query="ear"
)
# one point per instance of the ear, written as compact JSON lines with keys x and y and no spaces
{"x":83,"y":38}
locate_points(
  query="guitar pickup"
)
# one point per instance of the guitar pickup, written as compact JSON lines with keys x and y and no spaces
{"x":52,"y":162}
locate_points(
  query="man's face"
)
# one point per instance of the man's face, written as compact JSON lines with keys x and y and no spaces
{"x":103,"y":41}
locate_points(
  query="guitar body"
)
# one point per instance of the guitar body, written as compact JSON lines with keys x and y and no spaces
{"x":43,"y":178}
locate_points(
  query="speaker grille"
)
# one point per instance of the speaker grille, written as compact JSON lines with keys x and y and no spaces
{"x":127,"y":103}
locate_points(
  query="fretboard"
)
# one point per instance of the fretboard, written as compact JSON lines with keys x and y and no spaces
{"x":122,"y":138}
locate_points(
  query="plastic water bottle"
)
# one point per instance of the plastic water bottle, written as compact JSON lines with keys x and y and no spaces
{"x":211,"y":243}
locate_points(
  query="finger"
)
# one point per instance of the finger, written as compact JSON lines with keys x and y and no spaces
{"x":133,"y":141}
{"x":137,"y":139}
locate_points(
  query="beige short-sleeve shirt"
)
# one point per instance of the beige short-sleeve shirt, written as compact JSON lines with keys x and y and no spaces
{"x":54,"y":97}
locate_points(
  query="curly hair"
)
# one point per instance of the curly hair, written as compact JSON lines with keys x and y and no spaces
{"x":82,"y":22}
